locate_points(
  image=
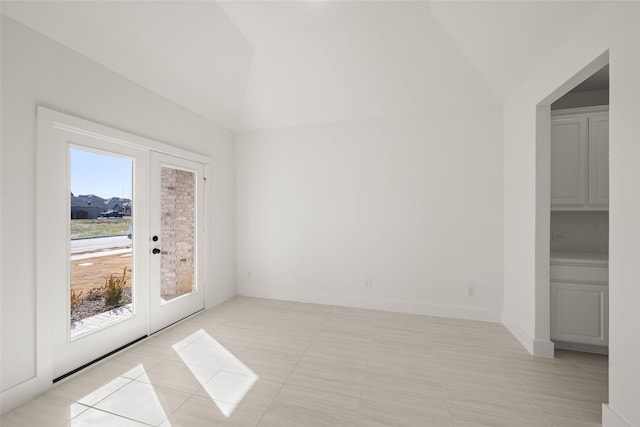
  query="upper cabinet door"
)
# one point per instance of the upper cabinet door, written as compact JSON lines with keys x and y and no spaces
{"x":580,"y":160}
{"x":569,"y":137}
{"x":599,"y":160}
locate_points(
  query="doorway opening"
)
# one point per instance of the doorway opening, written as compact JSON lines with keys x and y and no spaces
{"x":575,"y":196}
{"x":579,"y":216}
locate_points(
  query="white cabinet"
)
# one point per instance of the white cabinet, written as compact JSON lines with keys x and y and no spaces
{"x":580,"y":159}
{"x":569,"y":146}
{"x":578,"y":313}
{"x":599,"y":160}
{"x":580,"y":302}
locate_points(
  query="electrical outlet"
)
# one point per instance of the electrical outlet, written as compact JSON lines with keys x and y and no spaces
{"x":367,"y":283}
{"x":471,"y":291}
{"x":558,"y":237}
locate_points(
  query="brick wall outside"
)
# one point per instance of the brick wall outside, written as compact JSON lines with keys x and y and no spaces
{"x":177,"y":232}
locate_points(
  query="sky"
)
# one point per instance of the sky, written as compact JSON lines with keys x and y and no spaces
{"x":99,"y":174}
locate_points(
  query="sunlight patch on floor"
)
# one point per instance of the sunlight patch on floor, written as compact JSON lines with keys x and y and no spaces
{"x":222,"y":375}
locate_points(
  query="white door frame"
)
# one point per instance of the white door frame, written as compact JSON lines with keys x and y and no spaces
{"x":50,"y":121}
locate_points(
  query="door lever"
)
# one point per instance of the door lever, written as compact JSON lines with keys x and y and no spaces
{"x":156,"y":251}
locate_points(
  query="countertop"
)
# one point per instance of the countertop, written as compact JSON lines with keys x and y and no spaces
{"x":588,"y":258}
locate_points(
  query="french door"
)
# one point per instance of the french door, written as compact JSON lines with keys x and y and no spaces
{"x":119,"y":238}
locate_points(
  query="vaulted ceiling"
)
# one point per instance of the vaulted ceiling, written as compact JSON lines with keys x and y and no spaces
{"x":268,"y":64}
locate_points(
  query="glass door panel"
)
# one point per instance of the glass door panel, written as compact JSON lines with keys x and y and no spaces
{"x":100,"y":240}
{"x":177,"y":232}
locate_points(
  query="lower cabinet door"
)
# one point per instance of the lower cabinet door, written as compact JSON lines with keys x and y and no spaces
{"x":579,"y":313}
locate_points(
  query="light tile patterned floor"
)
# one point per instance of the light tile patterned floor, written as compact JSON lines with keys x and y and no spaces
{"x":256,"y":362}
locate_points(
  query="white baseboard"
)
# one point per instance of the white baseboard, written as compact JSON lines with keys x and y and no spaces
{"x":400,"y":306}
{"x":611,"y":419}
{"x":543,"y":348}
{"x":538,"y":348}
{"x":22,"y":393}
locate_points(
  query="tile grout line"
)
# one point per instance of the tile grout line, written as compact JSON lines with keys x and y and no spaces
{"x":444,"y":387}
{"x":369,"y":358}
{"x":290,"y":373}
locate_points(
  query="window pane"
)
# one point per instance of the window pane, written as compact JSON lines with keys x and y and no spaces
{"x":178,"y":220}
{"x":101,"y":284}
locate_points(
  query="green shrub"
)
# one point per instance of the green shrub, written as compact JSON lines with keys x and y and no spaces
{"x":113,"y":288}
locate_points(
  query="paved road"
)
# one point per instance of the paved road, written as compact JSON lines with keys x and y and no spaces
{"x":83,"y":245}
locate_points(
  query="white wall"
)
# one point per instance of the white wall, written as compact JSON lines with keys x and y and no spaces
{"x":612,"y":26}
{"x":413,"y":203}
{"x":38,"y":71}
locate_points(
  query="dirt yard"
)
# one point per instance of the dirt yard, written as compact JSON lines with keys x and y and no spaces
{"x":89,"y":273}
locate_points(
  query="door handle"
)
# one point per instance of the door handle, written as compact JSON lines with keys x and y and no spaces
{"x":156,"y":251}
